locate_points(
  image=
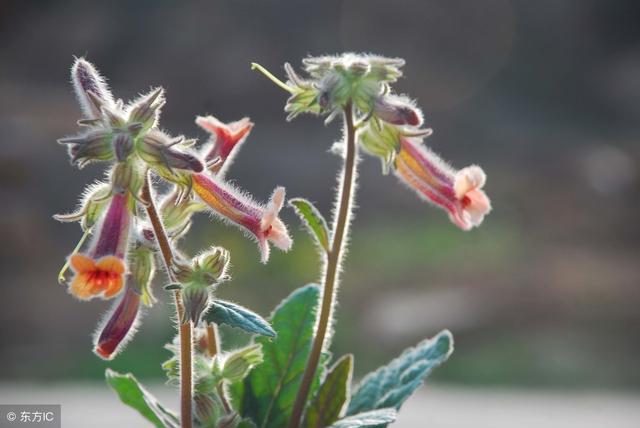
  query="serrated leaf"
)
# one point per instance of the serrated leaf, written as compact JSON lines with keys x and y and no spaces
{"x":328,"y":403}
{"x":223,"y":312}
{"x":133,"y":394}
{"x":380,"y":417}
{"x":390,"y":385}
{"x":269,"y":391}
{"x":313,"y":220}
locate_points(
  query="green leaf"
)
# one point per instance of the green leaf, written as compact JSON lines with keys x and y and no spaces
{"x":222,"y":312}
{"x":270,"y":389}
{"x":313,"y":220}
{"x":380,"y":417}
{"x":133,"y":394}
{"x":328,"y":403}
{"x":391,"y":385}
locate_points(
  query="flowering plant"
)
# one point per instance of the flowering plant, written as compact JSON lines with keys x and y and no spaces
{"x":284,"y":378}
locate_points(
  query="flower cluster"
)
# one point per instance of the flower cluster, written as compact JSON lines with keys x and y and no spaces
{"x":389,"y":127}
{"x":120,"y":257}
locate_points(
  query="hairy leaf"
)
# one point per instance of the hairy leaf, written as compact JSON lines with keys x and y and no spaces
{"x":328,"y":403}
{"x":133,"y":394}
{"x":313,"y":220}
{"x":223,"y":312}
{"x":270,"y":389}
{"x":380,"y":417}
{"x":391,"y":385}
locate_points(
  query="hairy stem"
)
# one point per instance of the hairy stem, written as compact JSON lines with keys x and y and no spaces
{"x":334,"y":257}
{"x":186,"y":383}
{"x":212,"y":339}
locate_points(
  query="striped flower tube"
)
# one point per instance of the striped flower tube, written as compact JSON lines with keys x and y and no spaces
{"x":458,"y":192}
{"x":260,"y":221}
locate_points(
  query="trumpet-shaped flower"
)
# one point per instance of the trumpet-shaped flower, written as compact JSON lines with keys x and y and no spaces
{"x":260,"y":221}
{"x":458,"y":192}
{"x":225,"y":138}
{"x":99,"y":273}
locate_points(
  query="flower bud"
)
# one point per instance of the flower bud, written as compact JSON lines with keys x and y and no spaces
{"x":142,"y":266}
{"x":146,"y":109}
{"x":122,"y":145}
{"x":90,"y":88}
{"x":207,"y":408}
{"x":396,"y":111}
{"x":176,"y":212}
{"x":94,"y":200}
{"x":238,"y":365}
{"x":195,"y":299}
{"x":94,"y":145}
{"x":212,"y":265}
{"x":157,"y":149}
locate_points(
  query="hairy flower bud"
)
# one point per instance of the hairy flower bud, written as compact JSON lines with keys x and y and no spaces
{"x":176,"y":211}
{"x":397,"y":110}
{"x":94,"y":145}
{"x":195,"y":299}
{"x":92,"y":204}
{"x":126,"y":177}
{"x":90,"y":88}
{"x":146,"y":109}
{"x":211,"y":266}
{"x":122,"y":145}
{"x":158,"y":150}
{"x":207,"y":408}
{"x":238,"y":365}
{"x":143,"y":268}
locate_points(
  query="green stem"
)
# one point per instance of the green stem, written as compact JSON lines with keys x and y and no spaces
{"x":270,"y":76}
{"x":334,"y":258}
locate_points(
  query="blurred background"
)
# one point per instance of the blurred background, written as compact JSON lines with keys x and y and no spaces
{"x":543,"y":299}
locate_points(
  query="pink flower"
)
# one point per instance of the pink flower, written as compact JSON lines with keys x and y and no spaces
{"x":230,"y":204}
{"x":225,"y":138}
{"x":99,"y":273}
{"x":458,"y":192}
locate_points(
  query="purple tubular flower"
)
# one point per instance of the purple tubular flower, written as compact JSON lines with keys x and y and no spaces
{"x":120,"y":325}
